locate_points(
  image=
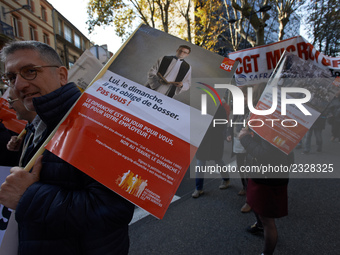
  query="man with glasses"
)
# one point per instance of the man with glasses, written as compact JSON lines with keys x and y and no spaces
{"x":20,"y":144}
{"x":59,"y":209}
{"x":171,"y":75}
{"x":21,"y":112}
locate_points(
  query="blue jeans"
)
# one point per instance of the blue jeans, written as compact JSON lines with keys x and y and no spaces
{"x":200,"y":175}
{"x":308,"y":139}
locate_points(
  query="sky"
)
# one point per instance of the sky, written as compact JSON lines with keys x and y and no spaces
{"x":75,"y":12}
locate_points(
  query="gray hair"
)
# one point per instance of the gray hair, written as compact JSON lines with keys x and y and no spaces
{"x":46,"y":52}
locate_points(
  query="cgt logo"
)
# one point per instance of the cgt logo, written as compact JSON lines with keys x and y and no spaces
{"x":227,"y":64}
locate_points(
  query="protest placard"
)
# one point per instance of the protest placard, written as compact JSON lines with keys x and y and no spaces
{"x":287,"y":125}
{"x":133,"y":139}
{"x":84,"y":70}
{"x":5,"y":213}
{"x":257,"y":64}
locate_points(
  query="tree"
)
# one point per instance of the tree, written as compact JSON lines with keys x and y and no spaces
{"x":122,"y":14}
{"x":110,"y":12}
{"x":184,"y":7}
{"x":325,"y":27}
{"x":248,"y":18}
{"x":209,"y":23}
{"x":285,"y":9}
{"x":243,"y":15}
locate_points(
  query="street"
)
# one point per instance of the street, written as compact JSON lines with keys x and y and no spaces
{"x":213,"y":223}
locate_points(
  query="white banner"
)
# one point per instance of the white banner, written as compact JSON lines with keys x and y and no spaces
{"x":258,"y":63}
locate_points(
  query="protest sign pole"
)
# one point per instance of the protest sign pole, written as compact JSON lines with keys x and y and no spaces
{"x":23,"y":132}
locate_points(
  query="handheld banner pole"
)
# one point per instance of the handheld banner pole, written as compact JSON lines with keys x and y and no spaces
{"x":23,"y":132}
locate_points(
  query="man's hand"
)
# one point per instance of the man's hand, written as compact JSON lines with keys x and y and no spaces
{"x":14,"y":144}
{"x":178,"y":84}
{"x":17,"y":182}
{"x":244,"y":132}
{"x":229,"y":138}
{"x":162,"y":80}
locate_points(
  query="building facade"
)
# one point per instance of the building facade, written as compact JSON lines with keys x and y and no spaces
{"x":70,"y":43}
{"x":38,"y":20}
{"x":26,"y":20}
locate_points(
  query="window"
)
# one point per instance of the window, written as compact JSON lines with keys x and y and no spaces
{"x":46,"y":38}
{"x":31,"y":3}
{"x":61,"y":54}
{"x":77,"y":41}
{"x":68,"y":33}
{"x":32,"y":33}
{"x":70,"y":64}
{"x":15,"y":26}
{"x":60,"y":27}
{"x":43,"y":13}
{"x":84,"y":45}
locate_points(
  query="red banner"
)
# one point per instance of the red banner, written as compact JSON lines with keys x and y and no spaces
{"x":285,"y":129}
{"x":8,"y":116}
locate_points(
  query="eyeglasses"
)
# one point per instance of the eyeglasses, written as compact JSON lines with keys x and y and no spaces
{"x":186,"y":52}
{"x":11,"y":101}
{"x":27,"y":72}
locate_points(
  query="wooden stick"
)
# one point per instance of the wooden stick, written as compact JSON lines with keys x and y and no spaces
{"x":41,"y":150}
{"x":23,"y":132}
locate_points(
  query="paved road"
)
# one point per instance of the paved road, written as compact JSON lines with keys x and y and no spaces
{"x":213,"y":223}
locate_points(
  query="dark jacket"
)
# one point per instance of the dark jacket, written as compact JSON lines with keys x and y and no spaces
{"x":260,"y":152}
{"x":212,"y":145}
{"x":333,"y":109}
{"x":320,"y":122}
{"x":68,"y":212}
